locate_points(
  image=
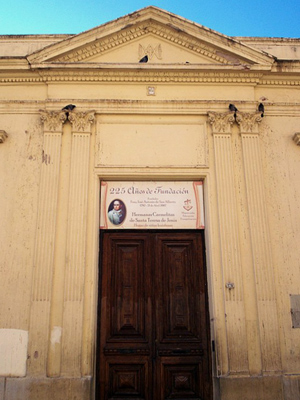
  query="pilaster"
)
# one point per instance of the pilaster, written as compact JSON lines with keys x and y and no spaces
{"x":260,"y":240}
{"x":221,"y":124}
{"x":76,"y":243}
{"x":44,"y":242}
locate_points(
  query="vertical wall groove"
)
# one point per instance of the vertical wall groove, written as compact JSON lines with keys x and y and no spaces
{"x":235,"y":315}
{"x":76,"y":244}
{"x":260,"y":241}
{"x":43,"y":256}
{"x":229,"y":238}
{"x":44,"y":244}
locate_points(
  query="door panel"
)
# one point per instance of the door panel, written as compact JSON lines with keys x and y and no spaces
{"x":128,"y":291}
{"x":126,"y":318}
{"x":154,"y":327}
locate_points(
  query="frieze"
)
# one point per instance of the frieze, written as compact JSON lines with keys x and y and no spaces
{"x":221,"y":122}
{"x":81,"y":121}
{"x":248,"y":122}
{"x":53,"y":120}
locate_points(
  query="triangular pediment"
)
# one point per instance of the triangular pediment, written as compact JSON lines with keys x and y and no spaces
{"x":164,"y":37}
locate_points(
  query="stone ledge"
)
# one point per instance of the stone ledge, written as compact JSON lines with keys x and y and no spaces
{"x":47,"y":388}
{"x":291,"y":387}
{"x":252,"y":388}
{"x":2,"y":383}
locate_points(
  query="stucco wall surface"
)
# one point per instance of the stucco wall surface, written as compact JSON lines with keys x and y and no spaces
{"x":136,"y":122}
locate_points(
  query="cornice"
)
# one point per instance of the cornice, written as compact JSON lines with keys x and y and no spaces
{"x":142,"y":29}
{"x":161,"y":23}
{"x":280,"y":82}
{"x":153,"y":106}
{"x":82,"y":67}
{"x":169,"y":173}
{"x":14,"y":63}
{"x":167,"y":75}
{"x":144,"y":75}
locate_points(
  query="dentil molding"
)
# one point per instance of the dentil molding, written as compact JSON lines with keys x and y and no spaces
{"x":140,"y":30}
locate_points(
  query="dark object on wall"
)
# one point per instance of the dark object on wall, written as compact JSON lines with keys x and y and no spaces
{"x":261,"y":109}
{"x":295,"y":310}
{"x":232,"y":107}
{"x":144,"y":59}
{"x":69,"y":107}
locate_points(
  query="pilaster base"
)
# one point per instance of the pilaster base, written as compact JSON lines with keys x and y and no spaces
{"x":260,"y":388}
{"x":46,"y":388}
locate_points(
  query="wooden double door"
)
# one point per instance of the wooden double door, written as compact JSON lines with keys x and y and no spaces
{"x":153,"y":334}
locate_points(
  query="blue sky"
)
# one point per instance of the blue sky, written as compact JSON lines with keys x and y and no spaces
{"x":272,"y":18}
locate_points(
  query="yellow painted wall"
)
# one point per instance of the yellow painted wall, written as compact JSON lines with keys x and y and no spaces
{"x":50,"y":172}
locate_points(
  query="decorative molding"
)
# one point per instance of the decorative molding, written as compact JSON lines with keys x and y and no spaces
{"x":147,"y":27}
{"x":114,"y":75}
{"x":150,"y":105}
{"x":76,"y":243}
{"x":150,"y":51}
{"x":221,"y":122}
{"x":248,"y":122}
{"x":231,"y":258}
{"x":53,"y":120}
{"x":43,"y":262}
{"x":81,"y":121}
{"x":88,"y":75}
{"x":296,"y":139}
{"x":3,"y":136}
{"x":280,"y":82}
{"x":260,"y":241}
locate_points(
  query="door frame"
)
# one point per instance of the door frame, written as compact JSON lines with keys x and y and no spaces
{"x":209,"y":336}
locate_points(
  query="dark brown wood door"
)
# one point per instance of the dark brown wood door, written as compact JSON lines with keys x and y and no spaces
{"x":153,"y":317}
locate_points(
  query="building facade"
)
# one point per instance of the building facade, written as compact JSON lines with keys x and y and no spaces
{"x":154,"y":310}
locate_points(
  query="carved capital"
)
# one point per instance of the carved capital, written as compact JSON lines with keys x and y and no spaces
{"x":296,"y":138}
{"x":221,"y":122}
{"x":248,"y":122}
{"x":3,"y":136}
{"x":53,"y":120}
{"x":82,"y":121}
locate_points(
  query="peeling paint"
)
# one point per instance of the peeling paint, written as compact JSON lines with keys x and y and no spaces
{"x":56,"y":335}
{"x":13,"y":352}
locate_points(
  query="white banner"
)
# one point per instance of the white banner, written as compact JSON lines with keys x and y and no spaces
{"x":152,"y":205}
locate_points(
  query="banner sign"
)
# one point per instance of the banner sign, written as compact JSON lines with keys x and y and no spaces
{"x":151,"y":205}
